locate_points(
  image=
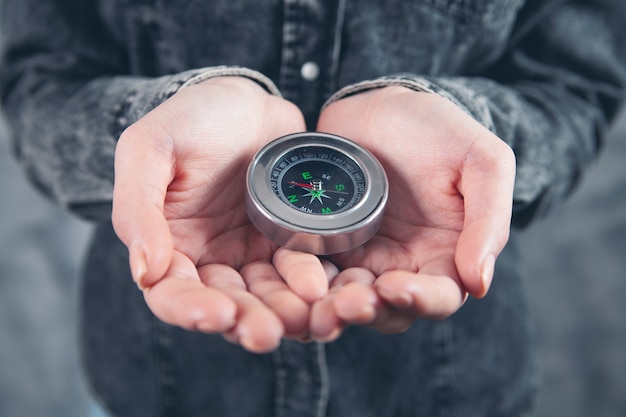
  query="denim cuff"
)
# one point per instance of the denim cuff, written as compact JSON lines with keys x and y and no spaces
{"x":226,"y":71}
{"x":410,"y":81}
{"x":147,"y":93}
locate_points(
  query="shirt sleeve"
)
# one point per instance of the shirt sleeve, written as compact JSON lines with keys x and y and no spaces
{"x":551,"y":96}
{"x":67,"y":96}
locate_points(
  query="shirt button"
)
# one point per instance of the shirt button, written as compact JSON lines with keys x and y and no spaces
{"x":310,"y":71}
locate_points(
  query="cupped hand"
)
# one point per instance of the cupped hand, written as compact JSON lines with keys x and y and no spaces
{"x":179,"y":207}
{"x":447,"y":219}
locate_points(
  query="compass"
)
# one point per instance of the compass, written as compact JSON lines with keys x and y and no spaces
{"x":316,"y":193}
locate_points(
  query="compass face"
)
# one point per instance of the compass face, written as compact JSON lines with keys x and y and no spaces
{"x":316,"y":192}
{"x":318,"y":180}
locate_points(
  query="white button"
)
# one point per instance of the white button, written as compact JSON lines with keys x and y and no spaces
{"x":310,"y":71}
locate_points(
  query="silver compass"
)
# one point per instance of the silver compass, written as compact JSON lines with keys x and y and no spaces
{"x":316,"y":193}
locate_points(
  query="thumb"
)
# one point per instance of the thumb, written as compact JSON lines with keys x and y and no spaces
{"x":487,"y":181}
{"x":143,"y":171}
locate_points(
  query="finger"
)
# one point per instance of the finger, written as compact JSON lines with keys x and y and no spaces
{"x":304,"y":273}
{"x":487,"y":181}
{"x":181,"y":299}
{"x":351,"y":299}
{"x":330,"y":269}
{"x":143,"y":171}
{"x":325,"y":325}
{"x":435,"y":292}
{"x":257,"y":328}
{"x":357,"y":302}
{"x":264,"y":282}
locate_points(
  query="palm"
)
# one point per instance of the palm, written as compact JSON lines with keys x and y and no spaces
{"x":194,"y":169}
{"x":450,"y":186}
{"x":208,"y":221}
{"x":425,"y":213}
{"x":421,"y":223}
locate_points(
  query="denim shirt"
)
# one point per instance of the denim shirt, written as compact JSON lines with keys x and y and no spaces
{"x":546,"y":76}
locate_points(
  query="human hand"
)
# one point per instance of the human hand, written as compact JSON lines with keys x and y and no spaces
{"x":447,"y":218}
{"x":179,"y":207}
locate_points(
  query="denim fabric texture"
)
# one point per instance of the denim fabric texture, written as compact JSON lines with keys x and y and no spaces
{"x":546,"y":76}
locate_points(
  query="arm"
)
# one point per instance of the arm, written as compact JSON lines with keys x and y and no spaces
{"x":177,"y":147}
{"x":549,"y":98}
{"x":68,"y":92}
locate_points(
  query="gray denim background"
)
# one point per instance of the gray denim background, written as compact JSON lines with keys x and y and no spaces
{"x":576,"y":267}
{"x":577,"y":270}
{"x":40,"y":251}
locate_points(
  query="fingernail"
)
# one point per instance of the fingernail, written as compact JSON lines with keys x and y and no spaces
{"x":368,"y":312}
{"x":333,"y":335}
{"x":248,"y":343}
{"x":251,"y":345}
{"x":138,"y":264}
{"x":486,"y":272}
{"x":360,"y":314}
{"x":215,"y":326}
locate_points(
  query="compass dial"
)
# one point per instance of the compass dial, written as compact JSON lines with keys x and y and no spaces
{"x":316,"y":192}
{"x":318,"y":180}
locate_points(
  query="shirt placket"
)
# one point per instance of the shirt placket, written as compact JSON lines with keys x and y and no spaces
{"x":309,"y":63}
{"x":309,"y":59}
{"x":302,"y":385}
